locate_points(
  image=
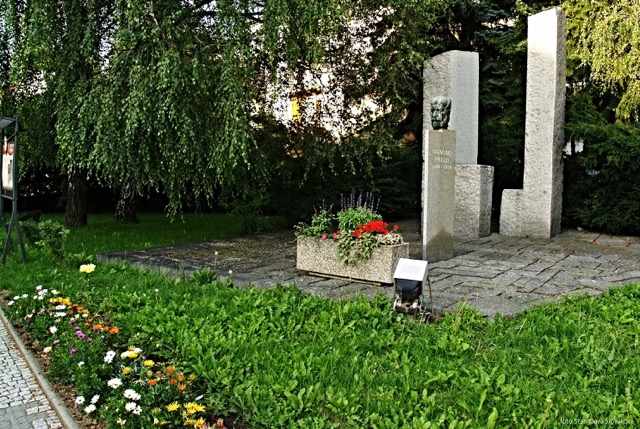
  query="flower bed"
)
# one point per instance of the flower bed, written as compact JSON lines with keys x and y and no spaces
{"x":320,"y":256}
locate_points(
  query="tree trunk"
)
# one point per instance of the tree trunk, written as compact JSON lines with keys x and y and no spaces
{"x":126,"y":207}
{"x":76,"y":210}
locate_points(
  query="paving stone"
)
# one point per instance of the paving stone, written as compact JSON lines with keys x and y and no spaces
{"x":518,"y":271}
{"x":22,"y":404}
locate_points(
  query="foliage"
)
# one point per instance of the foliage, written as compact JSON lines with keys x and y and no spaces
{"x":280,"y":358}
{"x":171,"y":96}
{"x":359,"y":229}
{"x":322,"y":223}
{"x":595,"y":174}
{"x":48,"y":234}
{"x":357,"y":245}
{"x":124,"y":387}
{"x":607,"y":42}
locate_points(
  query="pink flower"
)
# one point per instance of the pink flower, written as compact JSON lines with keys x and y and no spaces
{"x":324,"y":236}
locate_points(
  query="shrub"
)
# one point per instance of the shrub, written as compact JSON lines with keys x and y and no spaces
{"x":48,"y":234}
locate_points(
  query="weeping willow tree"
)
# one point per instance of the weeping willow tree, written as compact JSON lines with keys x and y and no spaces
{"x":607,"y":41}
{"x":175,"y":96}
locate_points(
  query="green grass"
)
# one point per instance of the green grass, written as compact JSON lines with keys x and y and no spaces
{"x":279,"y":358}
{"x":104,"y":234}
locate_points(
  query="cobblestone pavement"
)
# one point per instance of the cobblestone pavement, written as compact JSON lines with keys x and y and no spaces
{"x":23,"y":403}
{"x":494,"y":274}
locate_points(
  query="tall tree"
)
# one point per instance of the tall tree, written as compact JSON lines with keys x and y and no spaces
{"x":606,"y":38}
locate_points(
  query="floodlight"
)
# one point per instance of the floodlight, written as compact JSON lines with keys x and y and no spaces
{"x":409,"y":279}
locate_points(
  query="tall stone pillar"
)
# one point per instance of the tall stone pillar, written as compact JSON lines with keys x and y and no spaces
{"x":535,"y":210}
{"x":456,"y":74}
{"x":438,"y":188}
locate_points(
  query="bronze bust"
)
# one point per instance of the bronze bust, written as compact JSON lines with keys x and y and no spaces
{"x":440,"y":112}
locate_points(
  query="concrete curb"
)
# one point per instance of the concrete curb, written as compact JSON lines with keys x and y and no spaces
{"x":57,"y":404}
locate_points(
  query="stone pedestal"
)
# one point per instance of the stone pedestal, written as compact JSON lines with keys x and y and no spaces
{"x":473,"y":192}
{"x":535,"y":211}
{"x":455,"y":74}
{"x":438,"y":189}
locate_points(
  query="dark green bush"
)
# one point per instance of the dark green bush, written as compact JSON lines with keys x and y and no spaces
{"x":602,"y":183}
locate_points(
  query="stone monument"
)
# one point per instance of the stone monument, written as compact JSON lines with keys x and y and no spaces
{"x":456,"y":74}
{"x":438,"y":184}
{"x":535,"y":210}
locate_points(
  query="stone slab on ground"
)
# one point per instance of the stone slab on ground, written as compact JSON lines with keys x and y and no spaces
{"x":495,"y":274}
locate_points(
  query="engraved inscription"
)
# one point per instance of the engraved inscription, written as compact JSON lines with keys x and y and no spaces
{"x":442,"y":159}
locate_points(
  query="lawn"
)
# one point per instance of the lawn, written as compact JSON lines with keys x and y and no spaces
{"x":187,"y":352}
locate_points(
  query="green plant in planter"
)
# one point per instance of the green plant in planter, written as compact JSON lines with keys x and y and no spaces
{"x":357,"y":245}
{"x":322,"y":223}
{"x":351,"y":218}
{"x":360,"y":231}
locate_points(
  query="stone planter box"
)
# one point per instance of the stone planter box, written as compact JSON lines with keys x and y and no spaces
{"x":320,"y":257}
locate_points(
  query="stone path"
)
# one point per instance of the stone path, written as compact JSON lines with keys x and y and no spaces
{"x":494,"y":274}
{"x":26,"y":399}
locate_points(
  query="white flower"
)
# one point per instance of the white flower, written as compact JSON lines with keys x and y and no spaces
{"x":80,"y":400}
{"x":130,"y":406}
{"x":60,"y":314}
{"x":61,"y":307}
{"x":131,"y":354}
{"x":95,"y":399}
{"x":53,"y":329}
{"x":137,"y":410}
{"x":47,"y":349}
{"x":15,"y":298}
{"x":10,"y":303}
{"x":80,"y":363}
{"x":55,"y":292}
{"x":114,"y":383}
{"x":90,"y":409}
{"x":87,"y":268}
{"x":132,"y":394}
{"x":230,"y":272}
{"x":38,"y":287}
{"x":108,"y":358}
{"x":24,"y":295}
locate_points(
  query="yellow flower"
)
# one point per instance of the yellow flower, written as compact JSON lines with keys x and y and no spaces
{"x":173,"y":406}
{"x":148,"y":362}
{"x":126,"y":370}
{"x":155,"y":411}
{"x":87,"y":268}
{"x":193,"y":408}
{"x":199,"y":423}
